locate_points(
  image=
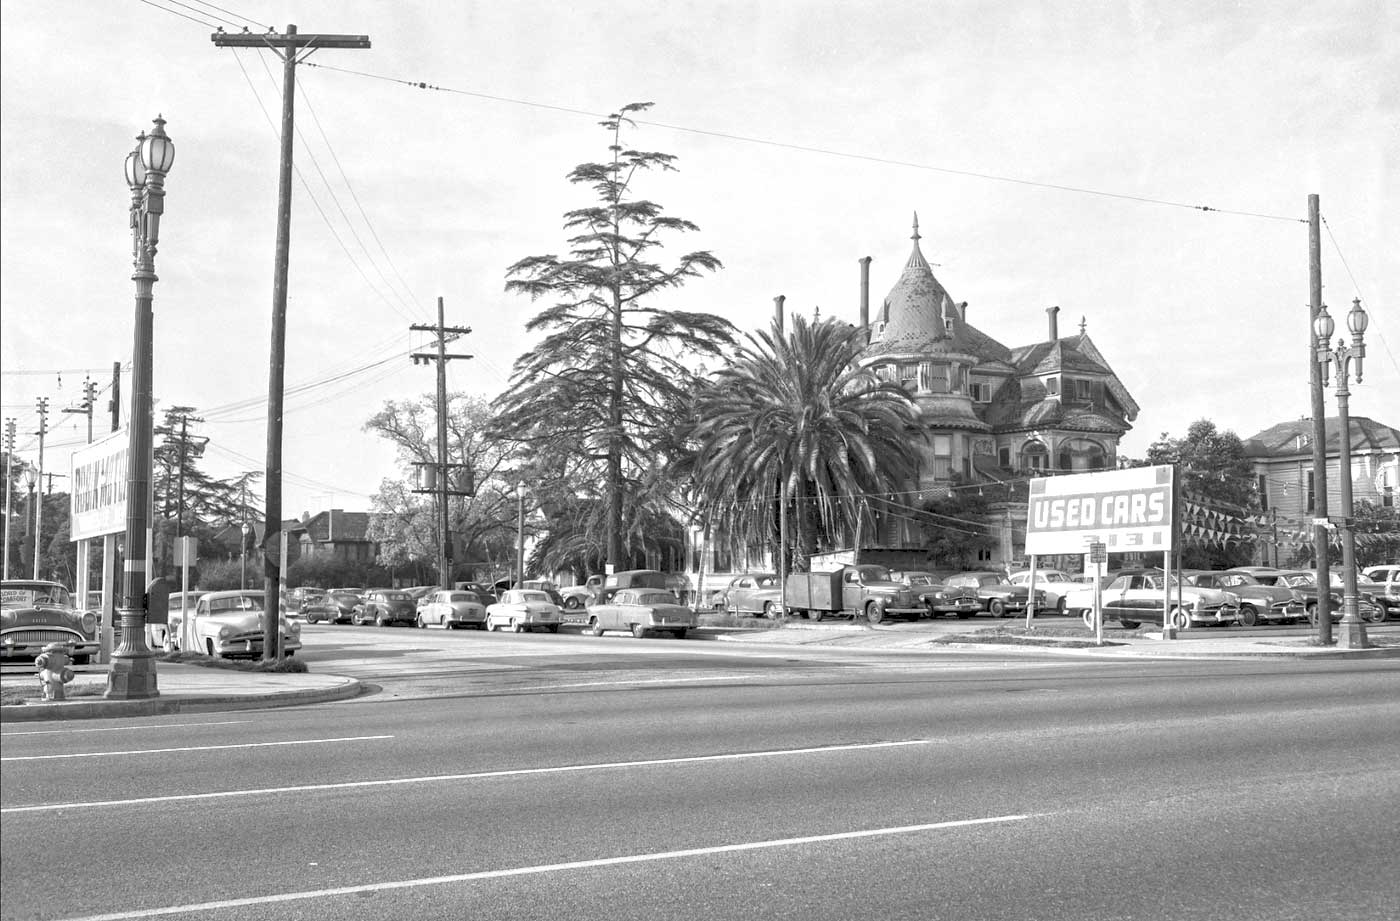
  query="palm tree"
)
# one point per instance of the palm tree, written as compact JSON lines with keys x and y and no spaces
{"x":794,"y":421}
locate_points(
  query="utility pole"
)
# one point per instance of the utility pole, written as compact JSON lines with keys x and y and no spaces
{"x":441,"y":479}
{"x":1319,"y":414}
{"x":291,"y":47}
{"x":43,"y":407}
{"x":9,"y":485}
{"x":89,"y":393}
{"x":115,"y":403}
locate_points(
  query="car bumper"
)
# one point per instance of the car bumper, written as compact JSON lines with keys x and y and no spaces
{"x":240,"y":646}
{"x":671,"y":623}
{"x":961,"y":607}
{"x":29,"y":646}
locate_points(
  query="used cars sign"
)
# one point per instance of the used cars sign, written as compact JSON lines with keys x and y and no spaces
{"x":1122,"y":509}
{"x":97,"y":502}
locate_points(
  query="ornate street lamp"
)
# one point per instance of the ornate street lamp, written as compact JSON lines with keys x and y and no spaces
{"x":1353,"y":631}
{"x":133,"y":673}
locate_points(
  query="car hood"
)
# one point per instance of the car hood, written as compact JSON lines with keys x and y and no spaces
{"x":241,"y":621}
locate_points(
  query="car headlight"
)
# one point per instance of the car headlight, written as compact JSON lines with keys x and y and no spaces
{"x":225,"y":632}
{"x":89,"y":622}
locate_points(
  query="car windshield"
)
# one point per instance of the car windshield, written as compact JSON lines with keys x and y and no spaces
{"x":766,"y":581}
{"x":235,"y":603}
{"x":27,"y":594}
{"x":1237,"y":578}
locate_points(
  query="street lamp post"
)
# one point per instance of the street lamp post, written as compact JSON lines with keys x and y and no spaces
{"x":1352,"y":632}
{"x":243,"y":557}
{"x":133,"y":674}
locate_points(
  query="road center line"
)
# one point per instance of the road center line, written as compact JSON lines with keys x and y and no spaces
{"x":194,"y":748}
{"x":479,"y":775}
{"x":550,"y":868}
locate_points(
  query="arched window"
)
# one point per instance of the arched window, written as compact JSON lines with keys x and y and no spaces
{"x":1082,"y":454}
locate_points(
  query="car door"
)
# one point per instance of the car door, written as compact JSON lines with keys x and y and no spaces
{"x":1115,"y":597}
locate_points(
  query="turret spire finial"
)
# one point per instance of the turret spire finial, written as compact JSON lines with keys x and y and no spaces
{"x":916,"y":237}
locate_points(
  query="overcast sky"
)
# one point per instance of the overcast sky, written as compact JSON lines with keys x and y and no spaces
{"x":1056,"y":153}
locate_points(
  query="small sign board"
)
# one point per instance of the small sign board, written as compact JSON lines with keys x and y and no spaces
{"x":1098,"y":553}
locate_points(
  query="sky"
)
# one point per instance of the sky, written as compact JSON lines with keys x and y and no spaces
{"x":1057,"y":154}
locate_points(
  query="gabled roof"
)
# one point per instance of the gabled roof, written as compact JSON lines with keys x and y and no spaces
{"x":1294,"y":438}
{"x":337,"y":525}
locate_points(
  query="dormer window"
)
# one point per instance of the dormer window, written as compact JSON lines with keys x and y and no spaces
{"x":981,"y":391}
{"x":1052,"y":385}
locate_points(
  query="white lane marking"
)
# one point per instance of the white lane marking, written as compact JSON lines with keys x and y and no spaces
{"x":42,"y":732}
{"x":624,"y":681}
{"x":479,"y":775}
{"x":552,"y":868}
{"x":194,"y":748}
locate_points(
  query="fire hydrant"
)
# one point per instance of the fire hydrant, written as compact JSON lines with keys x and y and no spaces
{"x":54,"y":672}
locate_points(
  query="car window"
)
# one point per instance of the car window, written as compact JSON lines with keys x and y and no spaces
{"x":533,"y":596}
{"x":237,"y":603}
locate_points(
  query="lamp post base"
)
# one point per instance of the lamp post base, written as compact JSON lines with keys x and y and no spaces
{"x":133,"y":672}
{"x":1351,"y":633}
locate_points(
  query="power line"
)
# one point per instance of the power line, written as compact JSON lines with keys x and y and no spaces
{"x":231,"y":13}
{"x":166,"y":9}
{"x":825,"y":151}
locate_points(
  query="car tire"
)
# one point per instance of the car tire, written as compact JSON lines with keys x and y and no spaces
{"x":1129,"y":624}
{"x":770,"y":610}
{"x":874,"y":613}
{"x":381,"y":621}
{"x":1249,"y":617}
{"x":1181,"y":620}
{"x":553,"y":628}
{"x":814,"y":615}
{"x":490,"y":624}
{"x":679,"y":634}
{"x":1060,"y":606}
{"x":1377,"y":616}
{"x":639,"y":631}
{"x":311,"y":618}
{"x":573,"y":603}
{"x":996,"y":607}
{"x":594,"y":627}
{"x":418,"y":622}
{"x":516,"y":626}
{"x":1312,"y":613}
{"x":1087,"y":615}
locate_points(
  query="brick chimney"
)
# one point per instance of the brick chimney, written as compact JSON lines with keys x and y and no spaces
{"x":865,"y":294}
{"x":1054,"y":314}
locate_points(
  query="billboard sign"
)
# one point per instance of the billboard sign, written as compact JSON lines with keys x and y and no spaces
{"x":1125,"y":510}
{"x":97,"y":473}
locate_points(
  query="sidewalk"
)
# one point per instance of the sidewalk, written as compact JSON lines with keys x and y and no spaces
{"x":183,"y":689}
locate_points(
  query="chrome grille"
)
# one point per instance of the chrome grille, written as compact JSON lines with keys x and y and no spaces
{"x":41,"y":637}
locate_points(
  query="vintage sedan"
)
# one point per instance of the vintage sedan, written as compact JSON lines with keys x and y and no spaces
{"x":231,"y":623}
{"x":1139,"y":598}
{"x":385,"y":607}
{"x":753,"y":593}
{"x":938,"y":597}
{"x":1056,"y":583}
{"x":36,"y":613}
{"x":451,"y":609}
{"x":1259,"y":603}
{"x":335,"y":606}
{"x":641,"y":611}
{"x":524,"y":609}
{"x":1304,"y":582}
{"x":998,"y":595}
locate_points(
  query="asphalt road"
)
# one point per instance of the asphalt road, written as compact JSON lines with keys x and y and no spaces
{"x":544,"y":777}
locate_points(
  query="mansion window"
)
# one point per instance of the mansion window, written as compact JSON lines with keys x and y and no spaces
{"x":1035,"y":456}
{"x":933,"y":378}
{"x":942,"y":457}
{"x":1263,"y":493}
{"x":1052,"y":385}
{"x":981,"y":391}
{"x":1081,"y":391}
{"x":1311,"y":497}
{"x":1081,"y":454}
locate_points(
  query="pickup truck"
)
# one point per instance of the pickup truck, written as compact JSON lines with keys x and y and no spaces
{"x":866,"y":591}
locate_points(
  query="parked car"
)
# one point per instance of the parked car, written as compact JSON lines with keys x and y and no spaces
{"x":335,"y":606}
{"x":542,"y":585}
{"x":1387,"y":578}
{"x":1304,"y":581}
{"x":309,"y":597}
{"x":451,"y":609}
{"x":641,"y":611}
{"x":385,"y":607}
{"x":231,"y":624}
{"x":35,"y":613}
{"x":578,"y":597}
{"x":940,"y":598}
{"x":1054,"y":582}
{"x":524,"y":609}
{"x":996,"y":591}
{"x":1258,"y":602}
{"x":484,"y":593}
{"x":1139,"y":598}
{"x":753,"y":593}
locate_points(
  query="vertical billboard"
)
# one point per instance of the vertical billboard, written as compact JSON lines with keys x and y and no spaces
{"x":97,"y":503}
{"x":1126,"y":510}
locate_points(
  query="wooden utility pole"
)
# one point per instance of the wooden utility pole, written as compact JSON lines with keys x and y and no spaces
{"x":291,"y":47}
{"x":1319,"y":414}
{"x":85,"y":408}
{"x":43,"y":408}
{"x":441,"y":483}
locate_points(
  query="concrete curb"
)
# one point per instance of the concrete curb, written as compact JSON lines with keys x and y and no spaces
{"x":344,"y":689}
